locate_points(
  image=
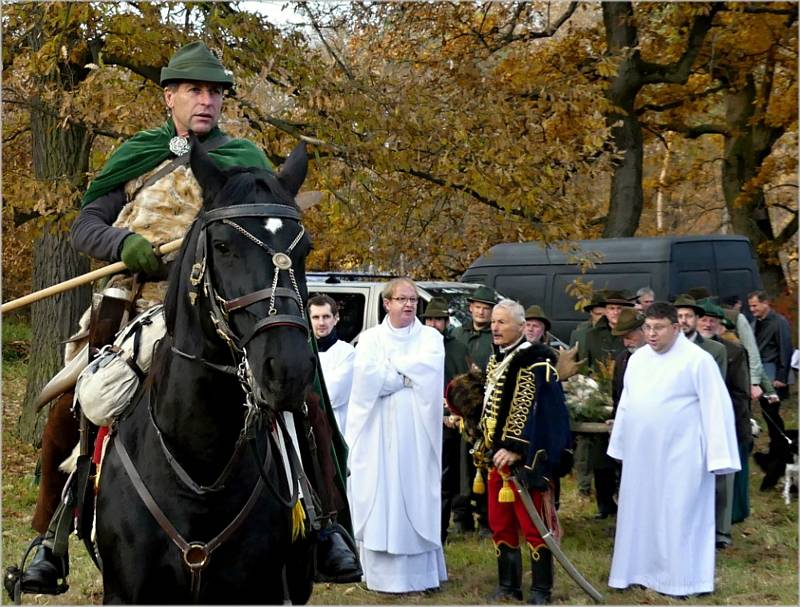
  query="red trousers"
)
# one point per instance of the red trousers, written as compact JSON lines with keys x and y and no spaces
{"x":507,"y":519}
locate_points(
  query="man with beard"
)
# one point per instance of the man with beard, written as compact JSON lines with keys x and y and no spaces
{"x":688,"y":314}
{"x":737,"y":380}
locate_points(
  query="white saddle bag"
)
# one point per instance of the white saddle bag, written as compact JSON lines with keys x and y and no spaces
{"x":107,"y":385}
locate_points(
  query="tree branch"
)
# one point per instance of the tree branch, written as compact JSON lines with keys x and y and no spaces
{"x":694,"y":131}
{"x":678,"y":72}
{"x":671,"y":105}
{"x":148,"y":72}
{"x":471,"y":192}
{"x":546,"y":33}
{"x":331,"y":52}
{"x":789,"y":232}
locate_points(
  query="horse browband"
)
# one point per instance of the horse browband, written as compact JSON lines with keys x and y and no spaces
{"x":219,"y":315}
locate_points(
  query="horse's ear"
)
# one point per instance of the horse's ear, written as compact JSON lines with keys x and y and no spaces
{"x":210,"y":178}
{"x":293,"y":172}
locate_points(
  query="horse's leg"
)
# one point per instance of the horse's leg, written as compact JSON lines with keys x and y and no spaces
{"x":300,"y":571}
{"x":61,"y":434}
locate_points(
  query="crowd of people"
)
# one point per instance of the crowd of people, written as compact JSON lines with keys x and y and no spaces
{"x":685,"y":376}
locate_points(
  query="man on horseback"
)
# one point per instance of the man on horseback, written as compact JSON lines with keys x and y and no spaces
{"x":146,"y":194}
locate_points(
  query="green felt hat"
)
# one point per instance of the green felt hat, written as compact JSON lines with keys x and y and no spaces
{"x":686,"y":301}
{"x":536,"y":313}
{"x":196,"y":62}
{"x":483,"y":294}
{"x":629,"y":319}
{"x":712,"y":309}
{"x":437,"y":308}
{"x":597,"y":301}
{"x":619,"y":298}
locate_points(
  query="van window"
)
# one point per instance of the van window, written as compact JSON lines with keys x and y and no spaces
{"x":735,"y":282}
{"x":351,"y":313}
{"x":528,"y":289}
{"x":698,"y":278}
{"x":564,"y":306}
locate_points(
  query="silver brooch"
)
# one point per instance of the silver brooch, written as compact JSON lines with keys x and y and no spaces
{"x":282,"y":261}
{"x":179,"y":146}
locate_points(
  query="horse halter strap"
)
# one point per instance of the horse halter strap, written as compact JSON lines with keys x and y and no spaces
{"x":281,"y":260}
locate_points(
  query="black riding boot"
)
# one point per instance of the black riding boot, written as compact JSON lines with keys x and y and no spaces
{"x":541,"y":576}
{"x":337,"y":561}
{"x":47,"y":572}
{"x":509,"y":574}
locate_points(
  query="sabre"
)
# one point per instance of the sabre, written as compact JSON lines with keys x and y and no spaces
{"x":555,"y":549}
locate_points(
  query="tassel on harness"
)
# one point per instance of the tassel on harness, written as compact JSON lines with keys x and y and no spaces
{"x":298,"y":521}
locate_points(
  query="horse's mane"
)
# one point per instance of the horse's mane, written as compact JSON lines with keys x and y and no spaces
{"x":242,"y":185}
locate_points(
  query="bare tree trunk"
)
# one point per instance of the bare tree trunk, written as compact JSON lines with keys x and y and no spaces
{"x":622,"y":39}
{"x":58,"y":153}
{"x":747,"y":144}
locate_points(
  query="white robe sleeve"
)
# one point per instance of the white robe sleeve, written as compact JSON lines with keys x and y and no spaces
{"x":337,"y":368}
{"x":616,"y":440}
{"x":716,"y":416}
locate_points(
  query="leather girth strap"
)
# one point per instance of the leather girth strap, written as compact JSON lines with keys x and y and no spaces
{"x":196,"y":555}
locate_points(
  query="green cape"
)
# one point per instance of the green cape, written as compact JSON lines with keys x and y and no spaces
{"x":147,"y":149}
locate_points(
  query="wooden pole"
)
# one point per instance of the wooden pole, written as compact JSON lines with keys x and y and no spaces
{"x":81,"y":280}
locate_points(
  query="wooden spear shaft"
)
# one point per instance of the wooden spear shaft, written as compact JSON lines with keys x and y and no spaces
{"x":81,"y":280}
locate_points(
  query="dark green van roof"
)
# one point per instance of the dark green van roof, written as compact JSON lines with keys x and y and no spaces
{"x":613,"y":250}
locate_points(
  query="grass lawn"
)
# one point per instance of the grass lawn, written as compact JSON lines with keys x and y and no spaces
{"x":760,"y":568}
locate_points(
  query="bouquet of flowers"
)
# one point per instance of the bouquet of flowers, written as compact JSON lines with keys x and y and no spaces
{"x":586,"y":400}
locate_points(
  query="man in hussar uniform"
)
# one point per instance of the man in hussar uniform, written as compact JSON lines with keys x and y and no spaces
{"x":144,"y":195}
{"x":525,"y":430}
{"x":674,"y":431}
{"x":394,"y":431}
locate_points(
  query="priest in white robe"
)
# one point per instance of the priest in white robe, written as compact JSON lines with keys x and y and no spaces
{"x":394,"y":432}
{"x":674,"y":431}
{"x":335,"y":355}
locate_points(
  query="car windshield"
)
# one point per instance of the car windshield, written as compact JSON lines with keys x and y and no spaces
{"x":456,"y":296}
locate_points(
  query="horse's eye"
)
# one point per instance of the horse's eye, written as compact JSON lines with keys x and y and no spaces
{"x":221,"y":247}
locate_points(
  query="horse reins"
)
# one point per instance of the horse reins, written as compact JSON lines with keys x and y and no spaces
{"x":196,"y":555}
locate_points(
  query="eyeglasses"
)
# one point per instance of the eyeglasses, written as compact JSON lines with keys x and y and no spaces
{"x":404,"y":300}
{"x":655,"y":328}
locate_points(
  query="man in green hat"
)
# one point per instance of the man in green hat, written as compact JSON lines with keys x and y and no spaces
{"x":596,"y":311}
{"x":145,"y":195}
{"x":629,"y":329}
{"x":600,"y":347}
{"x":688,"y":314}
{"x":536,"y":325}
{"x":737,"y":380}
{"x":437,"y":315}
{"x":476,"y":335}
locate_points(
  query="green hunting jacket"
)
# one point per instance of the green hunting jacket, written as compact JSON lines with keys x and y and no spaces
{"x":478,"y":343}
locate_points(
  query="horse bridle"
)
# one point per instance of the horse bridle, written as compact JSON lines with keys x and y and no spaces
{"x":281,"y":260}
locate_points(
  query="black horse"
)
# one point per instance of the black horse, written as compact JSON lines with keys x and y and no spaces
{"x":183,"y":513}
